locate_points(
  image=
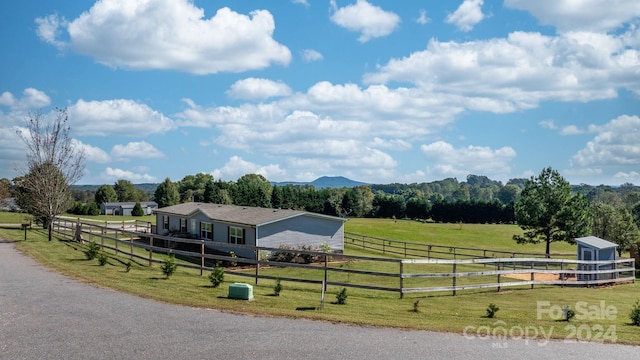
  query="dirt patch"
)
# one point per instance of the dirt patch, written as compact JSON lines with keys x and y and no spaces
{"x":538,"y":277}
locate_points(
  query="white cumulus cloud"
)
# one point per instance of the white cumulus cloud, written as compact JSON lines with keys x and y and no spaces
{"x":253,"y":88}
{"x":310,"y":55}
{"x":115,"y":174}
{"x":169,"y":35}
{"x":445,"y":160}
{"x":369,"y":20}
{"x":236,"y":167}
{"x":31,"y":99}
{"x":136,"y":149}
{"x":92,"y":153}
{"x":423,"y":18}
{"x":117,"y":117}
{"x":468,"y":14}
{"x":583,"y":15}
{"x":616,"y":143}
{"x":520,"y":71}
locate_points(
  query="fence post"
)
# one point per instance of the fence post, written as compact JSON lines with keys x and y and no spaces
{"x":402,"y":278}
{"x":131,"y":245}
{"x":532,"y":275}
{"x":150,"y":250}
{"x":201,"y":257}
{"x":326,"y":265}
{"x":454,"y":278}
{"x":405,"y":249}
{"x":258,"y":264}
{"x":499,"y":276}
{"x":562,"y":275}
{"x":115,"y":236}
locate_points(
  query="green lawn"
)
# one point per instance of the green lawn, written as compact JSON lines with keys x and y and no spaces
{"x":438,"y":311}
{"x":482,"y":236}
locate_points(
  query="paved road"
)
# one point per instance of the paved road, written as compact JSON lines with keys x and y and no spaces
{"x":44,"y":315}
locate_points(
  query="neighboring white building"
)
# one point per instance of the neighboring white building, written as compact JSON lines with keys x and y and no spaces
{"x":9,"y":204}
{"x":252,"y":226}
{"x":124,"y":208}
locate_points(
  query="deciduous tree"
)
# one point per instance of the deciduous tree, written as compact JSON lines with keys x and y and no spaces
{"x":5,"y":192}
{"x":105,"y":194}
{"x":167,"y":193}
{"x":53,"y":163}
{"x":614,"y":224}
{"x":253,"y":190}
{"x":127,"y":192}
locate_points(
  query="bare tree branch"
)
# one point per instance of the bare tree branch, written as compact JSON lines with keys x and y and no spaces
{"x":53,"y":163}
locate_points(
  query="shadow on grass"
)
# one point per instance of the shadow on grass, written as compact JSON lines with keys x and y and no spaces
{"x":306,"y":308}
{"x":210,"y":287}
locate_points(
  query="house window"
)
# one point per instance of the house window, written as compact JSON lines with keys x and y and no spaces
{"x":183,"y":225}
{"x":236,"y":235}
{"x":193,"y":226}
{"x":206,"y":231}
{"x":165,"y":222}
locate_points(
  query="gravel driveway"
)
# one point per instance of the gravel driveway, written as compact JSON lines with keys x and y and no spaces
{"x":44,"y":315}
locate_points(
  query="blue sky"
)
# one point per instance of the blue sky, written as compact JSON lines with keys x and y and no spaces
{"x":379,"y":91}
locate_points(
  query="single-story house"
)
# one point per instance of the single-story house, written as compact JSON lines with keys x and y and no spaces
{"x":124,"y":208}
{"x":252,"y":226}
{"x":593,"y":248}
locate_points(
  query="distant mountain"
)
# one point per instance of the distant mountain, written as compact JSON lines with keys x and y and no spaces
{"x":325,"y":182}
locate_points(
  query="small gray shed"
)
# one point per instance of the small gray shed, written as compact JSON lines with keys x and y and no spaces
{"x":593,"y":248}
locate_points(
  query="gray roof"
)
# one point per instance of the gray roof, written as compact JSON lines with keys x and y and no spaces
{"x":130,"y":204}
{"x":246,"y":215}
{"x":596,"y":242}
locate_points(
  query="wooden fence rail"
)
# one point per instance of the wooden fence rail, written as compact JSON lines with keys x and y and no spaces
{"x":408,"y":249}
{"x":413,"y":275}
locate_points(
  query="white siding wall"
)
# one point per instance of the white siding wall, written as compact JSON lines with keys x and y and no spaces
{"x":303,"y":230}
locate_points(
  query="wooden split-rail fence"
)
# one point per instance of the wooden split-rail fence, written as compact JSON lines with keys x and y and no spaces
{"x":403,"y":276}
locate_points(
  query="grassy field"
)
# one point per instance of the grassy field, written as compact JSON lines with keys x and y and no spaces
{"x":482,"y":236}
{"x":440,"y":312}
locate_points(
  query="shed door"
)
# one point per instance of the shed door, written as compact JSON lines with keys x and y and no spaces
{"x":587,"y":254}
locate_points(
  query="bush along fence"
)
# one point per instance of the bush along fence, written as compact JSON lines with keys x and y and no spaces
{"x":304,"y":265}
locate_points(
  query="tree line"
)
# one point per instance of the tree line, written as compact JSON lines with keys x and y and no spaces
{"x":476,"y":200}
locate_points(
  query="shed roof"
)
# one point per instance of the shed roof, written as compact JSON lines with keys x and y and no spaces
{"x":246,"y":215}
{"x":596,"y":242}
